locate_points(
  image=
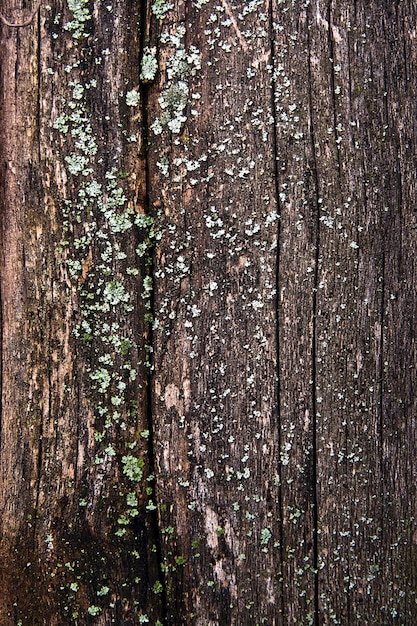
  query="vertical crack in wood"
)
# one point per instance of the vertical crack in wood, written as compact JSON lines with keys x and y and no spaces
{"x":381,"y":384}
{"x":330,"y":43}
{"x":42,"y":417}
{"x":331,"y":46}
{"x":39,"y":87}
{"x":1,"y":273}
{"x":275,"y":156}
{"x":154,"y":526}
{"x":2,"y":207}
{"x":314,"y":330}
{"x":380,"y":376}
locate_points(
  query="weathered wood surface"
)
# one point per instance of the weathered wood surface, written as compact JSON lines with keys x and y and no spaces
{"x":246,"y":173}
{"x":74,"y":540}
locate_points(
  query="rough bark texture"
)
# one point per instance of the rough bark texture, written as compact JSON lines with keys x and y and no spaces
{"x":208,"y":312}
{"x":74,"y":539}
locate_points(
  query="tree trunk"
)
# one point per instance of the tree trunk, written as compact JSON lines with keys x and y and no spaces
{"x":74,"y":464}
{"x":208,"y":313}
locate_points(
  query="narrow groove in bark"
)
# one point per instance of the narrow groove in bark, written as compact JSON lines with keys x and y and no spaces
{"x":187,"y":37}
{"x":2,"y":207}
{"x":332,"y":81}
{"x":1,"y":322}
{"x":314,"y":409}
{"x":3,"y":169}
{"x":39,"y":91}
{"x":350,"y":601}
{"x":277,"y":285}
{"x":381,"y":376}
{"x":153,"y":515}
{"x":77,"y":446}
{"x":40,"y":452}
{"x":41,"y":425}
{"x":403,"y":30}
{"x":314,"y":337}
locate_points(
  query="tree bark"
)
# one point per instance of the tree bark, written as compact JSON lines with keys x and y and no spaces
{"x":208,"y":313}
{"x":76,"y":544}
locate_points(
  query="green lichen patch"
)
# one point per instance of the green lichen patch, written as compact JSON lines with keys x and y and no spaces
{"x":149,"y":65}
{"x":181,"y":65}
{"x":106,"y":253}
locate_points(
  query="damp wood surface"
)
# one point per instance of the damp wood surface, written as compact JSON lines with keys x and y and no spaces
{"x":208,"y":313}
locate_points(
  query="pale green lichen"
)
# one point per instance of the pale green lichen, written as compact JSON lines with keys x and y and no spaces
{"x":266,"y":536}
{"x":81,"y":14}
{"x":94,"y":610}
{"x":160,"y":8}
{"x":149,"y":65}
{"x":133,"y":467}
{"x":174,"y":98}
{"x":103,"y":378}
{"x":103,"y":591}
{"x":95,"y":221}
{"x":132,"y":98}
{"x":61,"y":124}
{"x":114,"y":293}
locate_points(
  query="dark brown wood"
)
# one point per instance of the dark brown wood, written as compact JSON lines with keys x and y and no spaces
{"x":215,"y":388}
{"x":208,"y":312}
{"x":75,"y":534}
{"x":24,"y":22}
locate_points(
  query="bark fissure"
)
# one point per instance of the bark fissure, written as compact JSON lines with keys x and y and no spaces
{"x":275,"y":156}
{"x":154,"y":526}
{"x":274,"y":147}
{"x":381,"y":381}
{"x":1,"y":294}
{"x":330,"y":43}
{"x":314,"y":335}
{"x":36,"y":528}
{"x":314,"y":424}
{"x":39,"y":91}
{"x":3,"y":166}
{"x":37,"y":512}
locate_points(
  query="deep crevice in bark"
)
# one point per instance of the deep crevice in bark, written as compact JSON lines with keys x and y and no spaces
{"x":153,"y":516}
